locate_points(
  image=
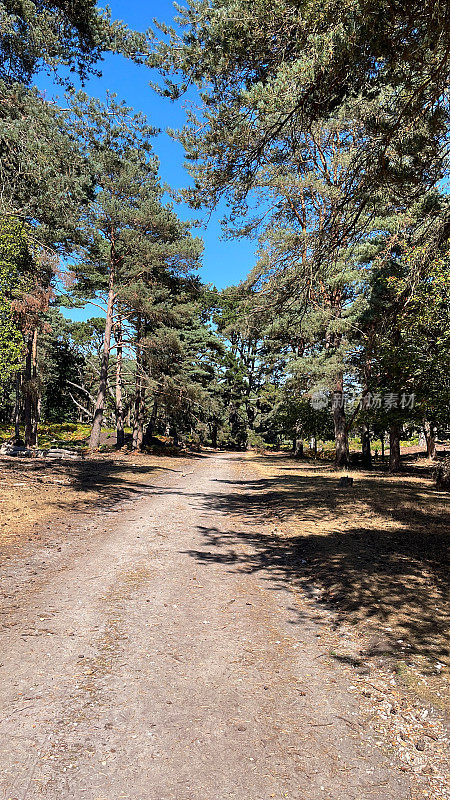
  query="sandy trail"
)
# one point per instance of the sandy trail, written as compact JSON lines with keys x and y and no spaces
{"x":147,"y":664}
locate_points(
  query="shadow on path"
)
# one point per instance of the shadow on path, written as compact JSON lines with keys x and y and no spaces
{"x":377,"y":553}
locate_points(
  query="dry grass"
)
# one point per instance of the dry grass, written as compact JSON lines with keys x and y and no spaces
{"x":36,"y":492}
{"x":376,"y":555}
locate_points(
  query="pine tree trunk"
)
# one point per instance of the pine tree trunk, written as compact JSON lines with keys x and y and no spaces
{"x":151,"y":424}
{"x":214,"y":434}
{"x":174,"y":433}
{"x":430,"y":438}
{"x":382,"y":446}
{"x":138,"y":427}
{"x":395,"y":464}
{"x":94,"y":441}
{"x":340,"y":426}
{"x":17,"y":439}
{"x":250,"y":412}
{"x":120,"y":433}
{"x":366,"y":449}
{"x":138,"y":437}
{"x":137,"y":432}
{"x":28,"y":394}
{"x":298,"y":449}
{"x":36,"y":400}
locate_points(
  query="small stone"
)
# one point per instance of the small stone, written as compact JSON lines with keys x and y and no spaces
{"x":420,"y":745}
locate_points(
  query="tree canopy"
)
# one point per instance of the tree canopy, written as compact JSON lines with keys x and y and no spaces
{"x":53,"y":35}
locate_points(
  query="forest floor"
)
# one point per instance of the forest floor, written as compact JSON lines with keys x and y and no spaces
{"x":221,"y":626}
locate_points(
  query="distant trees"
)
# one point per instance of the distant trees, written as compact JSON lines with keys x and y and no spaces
{"x":24,"y":295}
{"x":405,"y":338}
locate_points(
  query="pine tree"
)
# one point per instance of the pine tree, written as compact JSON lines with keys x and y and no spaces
{"x":133,"y":239}
{"x":307,"y":260}
{"x":44,"y":179}
{"x":268,"y":72}
{"x":59,"y":35}
{"x":405,"y":333}
{"x":16,"y":267}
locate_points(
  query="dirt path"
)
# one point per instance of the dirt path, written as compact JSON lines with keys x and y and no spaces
{"x":145,"y":663}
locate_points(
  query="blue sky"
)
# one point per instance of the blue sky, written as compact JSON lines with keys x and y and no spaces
{"x":225,"y":262}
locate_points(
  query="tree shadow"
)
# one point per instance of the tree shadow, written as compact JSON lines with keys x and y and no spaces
{"x":376,"y":554}
{"x":106,"y":480}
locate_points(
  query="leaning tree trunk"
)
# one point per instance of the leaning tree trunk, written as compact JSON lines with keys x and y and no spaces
{"x":395,"y":464}
{"x":340,"y":426}
{"x":94,"y":441}
{"x":120,"y":433}
{"x":366,"y":448}
{"x":430,"y":439}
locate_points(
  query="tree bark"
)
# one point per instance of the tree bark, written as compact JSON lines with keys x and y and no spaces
{"x":120,"y":433}
{"x":382,"y":446}
{"x":214,"y":431}
{"x":36,"y":400}
{"x":17,"y":439}
{"x":94,"y":441}
{"x":138,"y":433}
{"x":340,"y":425}
{"x":395,"y":464}
{"x":430,"y":438}
{"x":29,"y":391}
{"x":138,"y":424}
{"x":298,"y":445}
{"x":174,"y":434}
{"x":151,"y":424}
{"x":366,"y":449}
